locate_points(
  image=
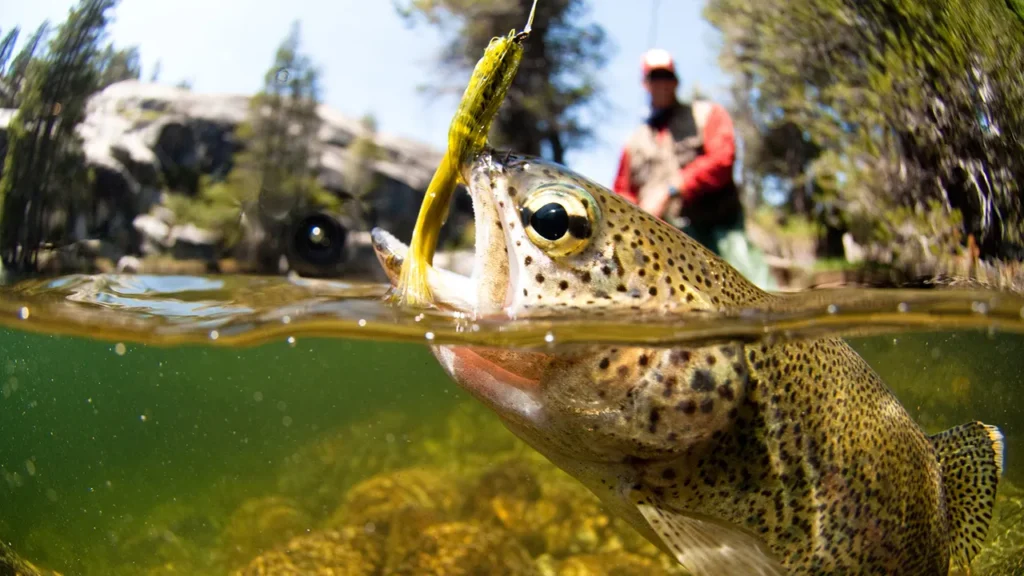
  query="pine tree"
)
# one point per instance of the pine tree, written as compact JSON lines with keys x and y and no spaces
{"x":545,"y":111}
{"x":45,"y":172}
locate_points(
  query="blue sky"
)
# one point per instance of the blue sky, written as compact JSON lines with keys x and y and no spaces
{"x":372,"y":62}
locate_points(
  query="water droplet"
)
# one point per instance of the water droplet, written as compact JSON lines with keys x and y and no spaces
{"x":258,"y":396}
{"x":832,"y":309}
{"x":291,"y":340}
{"x":23,"y":313}
{"x":30,"y":466}
{"x":286,"y":421}
{"x":903,"y":307}
{"x":429,"y":335}
{"x":281,"y":76}
{"x":120,"y":349}
{"x":214,"y":334}
{"x":549,"y":337}
{"x":362,"y":322}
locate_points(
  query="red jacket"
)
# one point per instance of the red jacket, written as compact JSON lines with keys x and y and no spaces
{"x":708,"y":172}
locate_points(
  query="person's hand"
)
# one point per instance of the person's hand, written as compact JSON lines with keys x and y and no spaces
{"x":655,"y":202}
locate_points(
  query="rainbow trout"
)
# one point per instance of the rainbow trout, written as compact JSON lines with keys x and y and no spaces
{"x":740,"y":458}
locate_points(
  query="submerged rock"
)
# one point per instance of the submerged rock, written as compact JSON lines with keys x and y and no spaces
{"x":464,"y":549}
{"x":318,"y":474}
{"x":380,"y":502}
{"x":260,"y":524}
{"x":613,"y":564}
{"x":347,"y":552}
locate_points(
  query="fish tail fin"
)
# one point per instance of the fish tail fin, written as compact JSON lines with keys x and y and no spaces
{"x":971,"y":460}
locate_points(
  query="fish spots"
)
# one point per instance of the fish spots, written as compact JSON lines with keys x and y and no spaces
{"x":528,"y":260}
{"x":563,"y":285}
{"x":604,"y":363}
{"x":707,"y":405}
{"x":652,"y":419}
{"x":585,"y":277}
{"x":702,"y":381}
{"x":687,"y":406}
{"x":726,"y":393}
{"x":670,"y":386}
{"x":652,"y":291}
{"x":539,"y":278}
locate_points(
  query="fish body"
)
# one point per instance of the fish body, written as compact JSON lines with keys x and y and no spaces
{"x":737,"y":458}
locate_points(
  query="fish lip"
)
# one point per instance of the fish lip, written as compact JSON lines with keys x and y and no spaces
{"x":489,"y":288}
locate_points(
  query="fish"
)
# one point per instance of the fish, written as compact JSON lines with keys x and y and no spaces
{"x":743,"y":457}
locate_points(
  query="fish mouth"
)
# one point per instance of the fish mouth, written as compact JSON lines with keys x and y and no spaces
{"x":488,"y":290}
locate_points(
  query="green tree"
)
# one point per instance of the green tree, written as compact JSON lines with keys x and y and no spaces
{"x":13,"y":75}
{"x":361,"y":176}
{"x":896,"y":119}
{"x":275,"y":176}
{"x":546,"y":109}
{"x":116,"y":65}
{"x":46,"y":174}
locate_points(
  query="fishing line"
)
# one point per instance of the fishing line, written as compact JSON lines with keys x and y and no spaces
{"x":652,"y":34}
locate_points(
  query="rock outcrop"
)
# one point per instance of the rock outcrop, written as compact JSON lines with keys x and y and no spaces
{"x":142,"y":139}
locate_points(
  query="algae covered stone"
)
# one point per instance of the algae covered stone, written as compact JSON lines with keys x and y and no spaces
{"x":346,"y":552}
{"x":318,"y":474}
{"x":619,"y":563}
{"x":260,"y":524}
{"x":375,"y":502}
{"x":465,"y":549}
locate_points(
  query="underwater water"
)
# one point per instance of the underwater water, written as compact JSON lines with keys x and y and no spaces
{"x":246,"y":425}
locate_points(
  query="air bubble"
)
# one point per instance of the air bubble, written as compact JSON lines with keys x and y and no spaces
{"x":291,"y":341}
{"x":286,"y":320}
{"x":24,"y":313}
{"x":286,"y":421}
{"x":120,"y":349}
{"x":214,"y":334}
{"x":549,"y":337}
{"x":832,"y":309}
{"x":903,"y":307}
{"x":282,"y":76}
{"x":979,"y":307}
{"x":30,"y":467}
{"x":258,"y":396}
{"x":429,"y":335}
{"x":362,"y":322}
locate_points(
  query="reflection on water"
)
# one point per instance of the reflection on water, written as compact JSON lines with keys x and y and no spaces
{"x":194,"y":425}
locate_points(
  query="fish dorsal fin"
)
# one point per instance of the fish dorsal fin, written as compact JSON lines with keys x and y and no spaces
{"x":971,"y":459}
{"x":705,"y":547}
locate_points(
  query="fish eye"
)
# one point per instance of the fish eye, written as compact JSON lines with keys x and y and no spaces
{"x":559,"y":219}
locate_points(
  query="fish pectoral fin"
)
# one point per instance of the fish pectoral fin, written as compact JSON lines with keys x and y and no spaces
{"x":971,"y":460}
{"x":703,"y":546}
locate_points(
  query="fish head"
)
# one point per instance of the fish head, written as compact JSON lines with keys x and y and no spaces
{"x":550,"y":242}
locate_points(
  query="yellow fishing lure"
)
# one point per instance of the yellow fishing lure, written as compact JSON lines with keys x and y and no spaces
{"x":467,"y":135}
